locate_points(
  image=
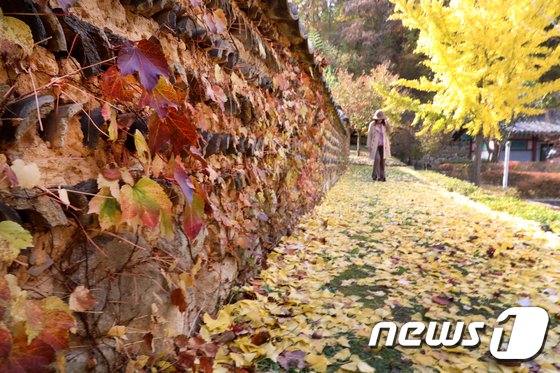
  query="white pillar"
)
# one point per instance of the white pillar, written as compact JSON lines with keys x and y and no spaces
{"x":506,"y":165}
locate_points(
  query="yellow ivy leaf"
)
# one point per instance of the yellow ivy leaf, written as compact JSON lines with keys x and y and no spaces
{"x":14,"y":31}
{"x":13,"y":238}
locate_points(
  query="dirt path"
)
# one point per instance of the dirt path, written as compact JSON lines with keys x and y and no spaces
{"x":402,"y":250}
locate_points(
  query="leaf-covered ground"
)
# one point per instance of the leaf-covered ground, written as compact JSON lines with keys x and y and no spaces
{"x":402,"y":250}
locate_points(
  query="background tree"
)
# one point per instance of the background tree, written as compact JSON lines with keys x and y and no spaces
{"x":360,"y":36}
{"x":486,"y":73}
{"x":355,"y":36}
{"x":359,"y":97}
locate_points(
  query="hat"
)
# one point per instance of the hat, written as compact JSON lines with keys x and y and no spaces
{"x":379,"y":115}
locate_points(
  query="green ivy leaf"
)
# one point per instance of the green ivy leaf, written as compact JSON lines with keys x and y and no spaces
{"x":107,"y":207}
{"x":147,"y":203}
{"x":13,"y":238}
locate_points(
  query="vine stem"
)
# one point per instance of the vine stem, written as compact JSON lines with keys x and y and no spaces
{"x":88,"y":236}
{"x":87,"y":114}
{"x":84,"y":193}
{"x":36,"y":99}
{"x":60,"y":78}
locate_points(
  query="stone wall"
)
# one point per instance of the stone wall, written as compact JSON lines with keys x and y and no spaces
{"x":269,"y":143}
{"x":454,"y":151}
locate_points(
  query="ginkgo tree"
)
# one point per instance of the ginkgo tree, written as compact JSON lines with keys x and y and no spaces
{"x":487,"y":59}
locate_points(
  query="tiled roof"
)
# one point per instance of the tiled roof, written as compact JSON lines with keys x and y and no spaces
{"x":537,"y":126}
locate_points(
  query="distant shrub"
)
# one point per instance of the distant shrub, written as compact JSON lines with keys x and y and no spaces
{"x":537,"y":184}
{"x":445,"y":167}
{"x":531,"y":179}
{"x":458,"y":170}
{"x":529,"y":184}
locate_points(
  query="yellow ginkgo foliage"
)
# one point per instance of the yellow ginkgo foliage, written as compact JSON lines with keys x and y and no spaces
{"x":487,"y":59}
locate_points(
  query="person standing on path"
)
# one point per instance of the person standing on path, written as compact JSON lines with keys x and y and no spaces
{"x":379,"y":144}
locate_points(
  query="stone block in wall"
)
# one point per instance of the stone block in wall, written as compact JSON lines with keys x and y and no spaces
{"x":39,"y":210}
{"x":23,"y":116}
{"x":56,"y":125}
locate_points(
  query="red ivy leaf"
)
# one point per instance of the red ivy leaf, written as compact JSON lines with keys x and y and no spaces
{"x":5,"y":343}
{"x":183,"y":180}
{"x":31,"y":345}
{"x":117,"y":86}
{"x":209,"y":349}
{"x":81,"y":299}
{"x":147,"y":59}
{"x":41,"y":352}
{"x":193,"y":217}
{"x":35,"y":357}
{"x":186,"y":359}
{"x":197,"y":205}
{"x":176,"y":129}
{"x":215,"y":93}
{"x":106,"y":111}
{"x":209,"y":207}
{"x":197,"y":154}
{"x":179,"y":299}
{"x":58,"y":321}
{"x":111,"y":173}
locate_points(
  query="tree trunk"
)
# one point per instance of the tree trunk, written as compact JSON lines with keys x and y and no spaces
{"x":497,"y":151}
{"x":477,"y":159}
{"x":358,"y":144}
